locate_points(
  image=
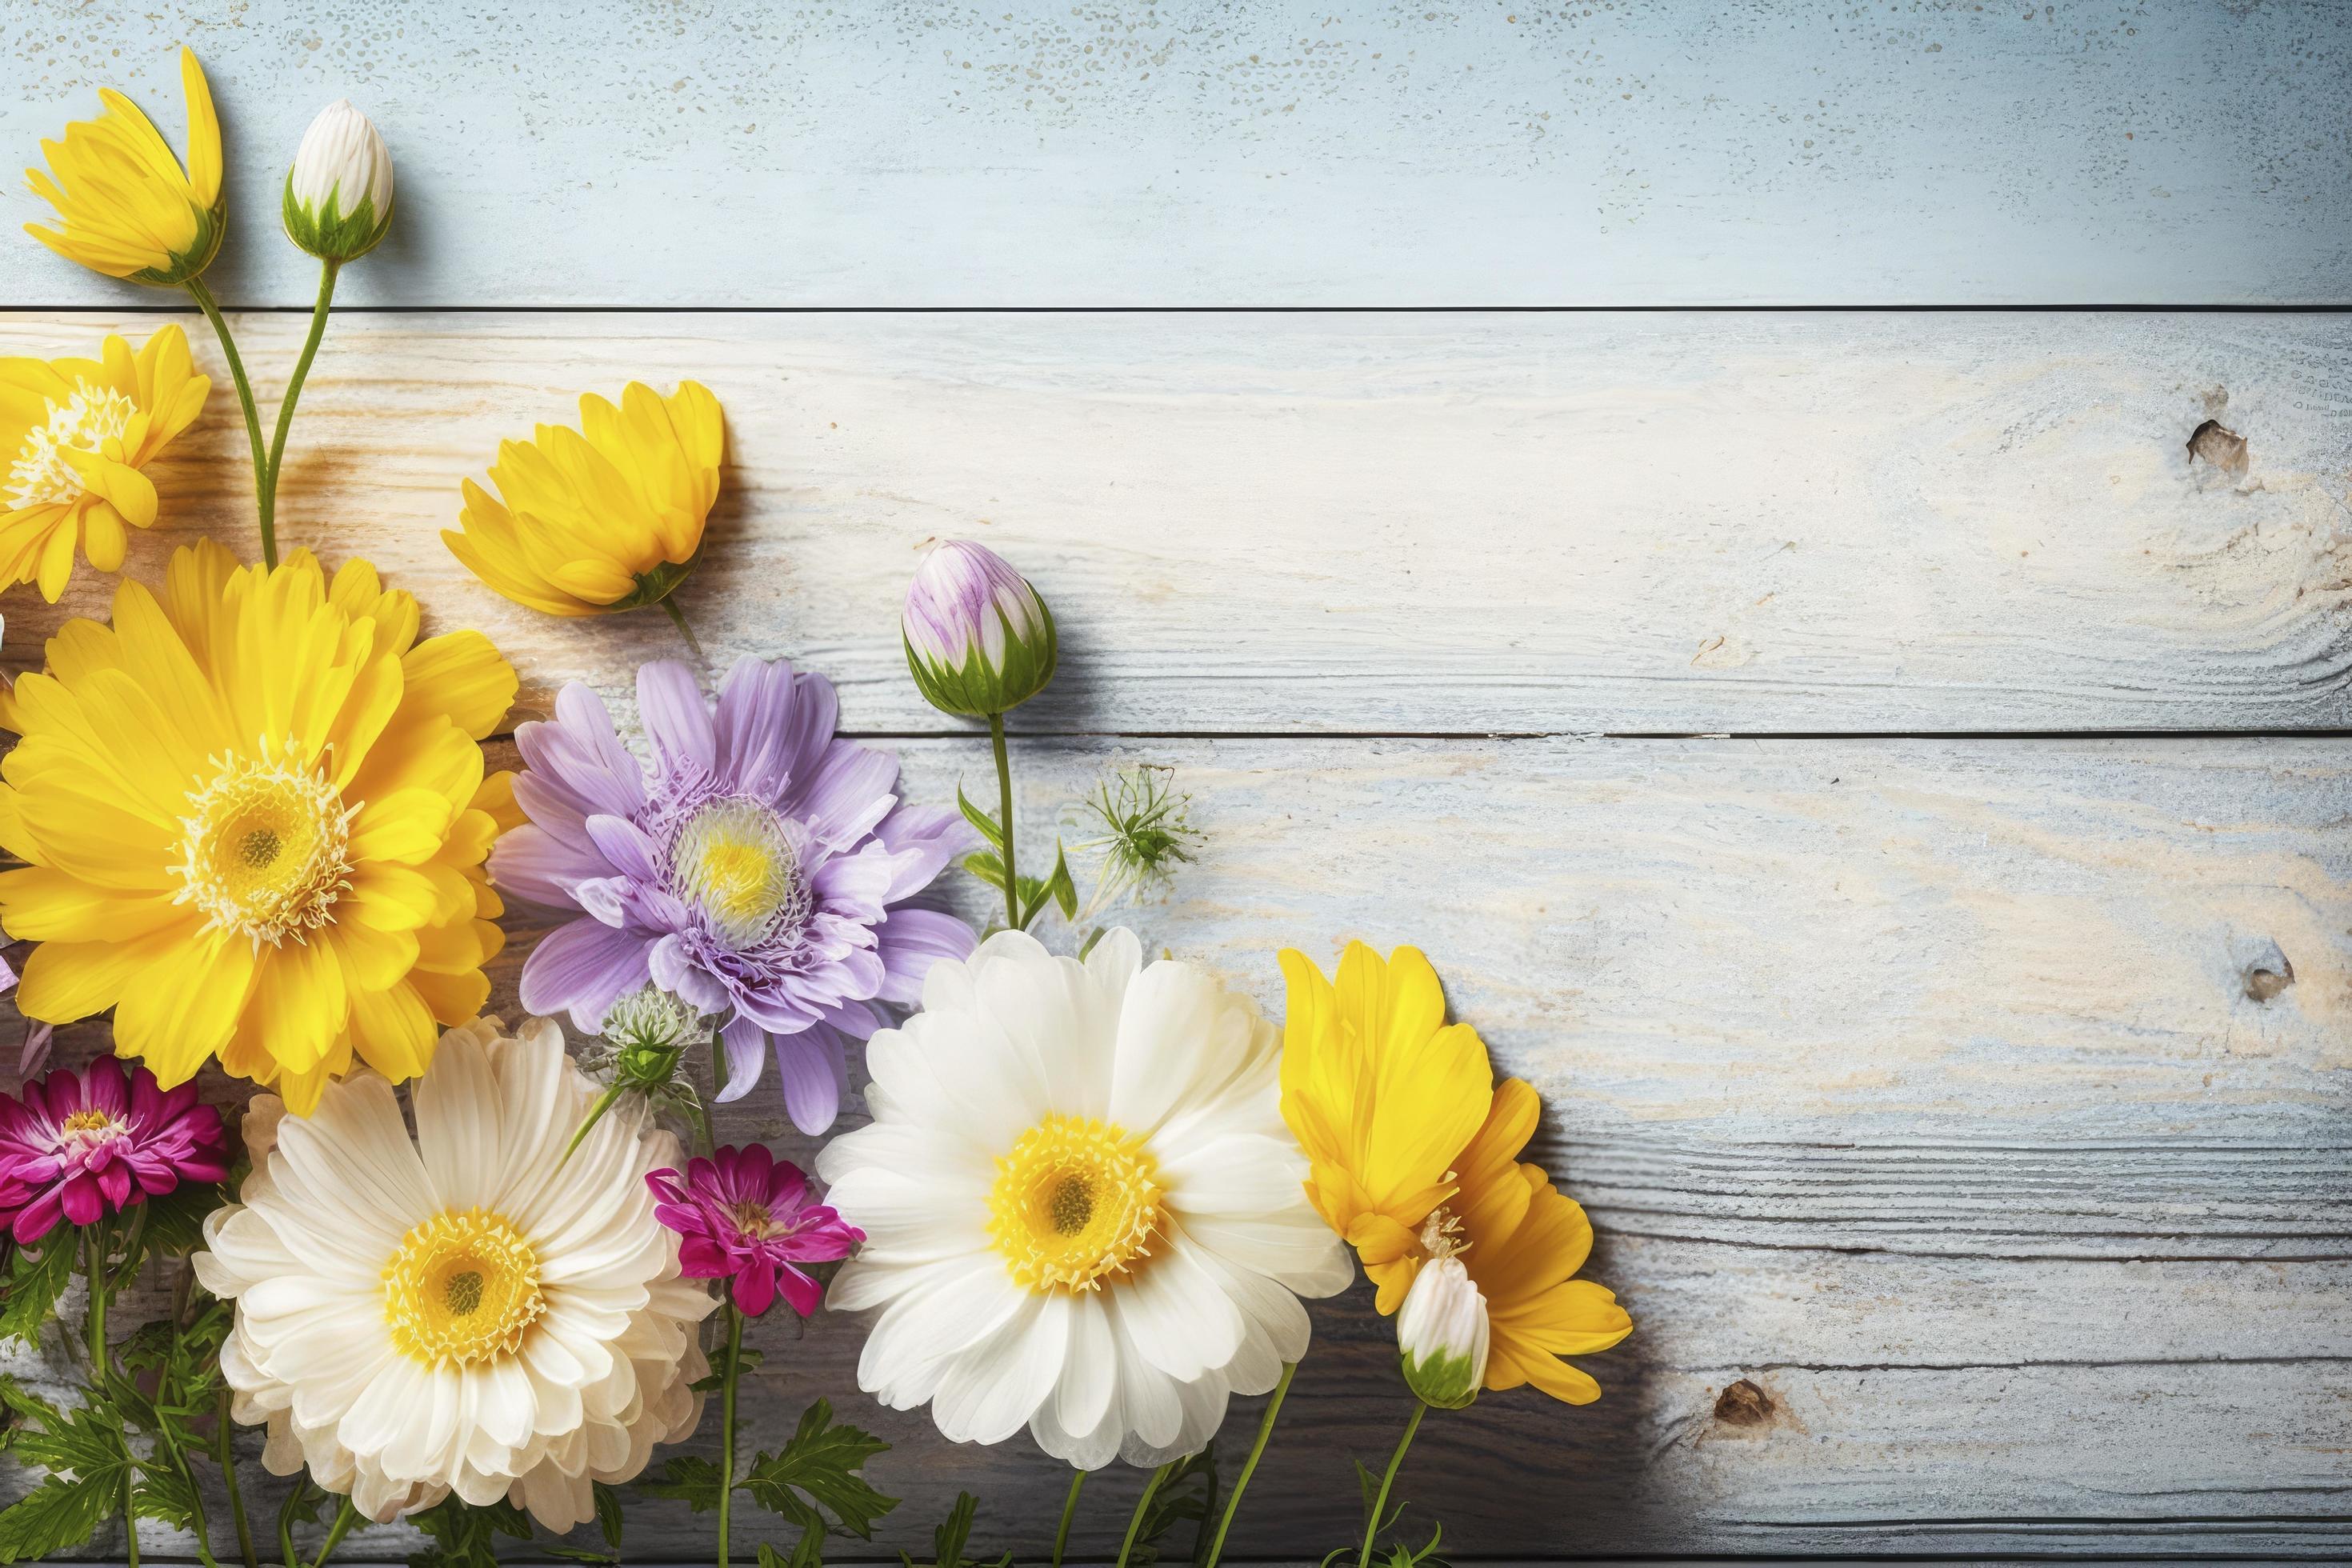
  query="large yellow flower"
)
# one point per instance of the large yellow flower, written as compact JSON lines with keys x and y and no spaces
{"x":1382,"y":1094}
{"x":127,"y":207}
{"x":1522,"y":1241}
{"x":77,"y":433}
{"x":606,"y":520}
{"x":254,"y":815}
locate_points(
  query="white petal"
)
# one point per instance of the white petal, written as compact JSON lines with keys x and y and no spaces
{"x":1243,"y":1174}
{"x":458,"y":1123}
{"x":1148,"y":1405}
{"x":953,"y":1305}
{"x":1089,"y":1386}
{"x":1181,"y":1034}
{"x":1177,"y":1315}
{"x":991,"y":1389}
{"x":1202,"y":1405}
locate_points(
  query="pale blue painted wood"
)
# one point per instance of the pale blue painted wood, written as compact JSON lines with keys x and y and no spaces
{"x":723,"y":153}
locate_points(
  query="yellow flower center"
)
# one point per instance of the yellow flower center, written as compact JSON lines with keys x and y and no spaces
{"x":463,"y":1288}
{"x":87,"y":422}
{"x":733,"y":861}
{"x":87,"y":1129}
{"x":266,"y":846}
{"x":1074,"y":1200}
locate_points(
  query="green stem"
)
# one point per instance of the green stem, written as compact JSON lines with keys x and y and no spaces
{"x":225,"y":1455}
{"x":1142,"y":1505}
{"x":1004,"y":819}
{"x":1069,"y":1511}
{"x":102,"y":1366}
{"x":604,"y":1102}
{"x":1381,"y":1502}
{"x":168,"y":1444}
{"x":345,"y":1517}
{"x":1249,"y":1465}
{"x":204,"y":302}
{"x":286,"y":1520}
{"x":129,"y":1250}
{"x":727,"y":1420}
{"x":677,"y":619}
{"x":327,"y":271}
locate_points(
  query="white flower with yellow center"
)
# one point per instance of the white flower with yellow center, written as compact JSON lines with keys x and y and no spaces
{"x":446,"y":1313}
{"x":1083,"y":1212}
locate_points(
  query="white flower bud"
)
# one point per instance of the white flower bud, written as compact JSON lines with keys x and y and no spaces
{"x":978,"y":639}
{"x":339,"y":193}
{"x":1442,"y":1335}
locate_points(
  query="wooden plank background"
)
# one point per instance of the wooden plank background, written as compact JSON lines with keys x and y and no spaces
{"x":1873,"y":784}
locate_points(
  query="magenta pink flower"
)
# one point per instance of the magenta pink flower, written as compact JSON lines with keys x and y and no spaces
{"x":79,"y":1146}
{"x":745,"y":1219}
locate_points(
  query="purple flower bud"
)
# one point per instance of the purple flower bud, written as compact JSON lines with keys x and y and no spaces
{"x":978,"y":639}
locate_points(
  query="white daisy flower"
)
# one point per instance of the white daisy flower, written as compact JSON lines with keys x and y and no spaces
{"x":447,"y":1314}
{"x":1083,"y":1212}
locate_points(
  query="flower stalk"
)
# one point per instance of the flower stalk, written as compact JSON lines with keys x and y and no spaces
{"x":1069,"y":1512}
{"x":225,"y":1455}
{"x":1249,"y":1465}
{"x":1143,"y":1507}
{"x":345,"y":1517}
{"x":1388,"y":1479}
{"x":727,"y":1383}
{"x":1004,"y":816}
{"x":101,"y":1363}
{"x":328,"y":271}
{"x":211,"y":307}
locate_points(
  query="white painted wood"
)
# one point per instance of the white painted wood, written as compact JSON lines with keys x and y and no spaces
{"x":723,"y":153}
{"x":1377,"y":524}
{"x":1916,"y":1082}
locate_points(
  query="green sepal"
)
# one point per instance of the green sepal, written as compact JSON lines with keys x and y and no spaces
{"x":659,"y":584}
{"x":975,"y":690}
{"x":211,"y":226}
{"x":332,"y":234}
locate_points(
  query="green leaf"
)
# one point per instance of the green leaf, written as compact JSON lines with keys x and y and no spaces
{"x":980,"y":819}
{"x":809,"y":1554}
{"x":948,"y":1539}
{"x":164,"y":1492}
{"x":823,"y":1460}
{"x":575,"y":1553}
{"x":50,"y":1518}
{"x":608,"y":1513}
{"x":1055,"y":885}
{"x":986,"y":866}
{"x":175,"y":1221}
{"x":465,"y":1536}
{"x":715,"y":1379}
{"x":1186,"y":1493}
{"x":689,"y":1480}
{"x":83,"y":1444}
{"x":36,"y":1279}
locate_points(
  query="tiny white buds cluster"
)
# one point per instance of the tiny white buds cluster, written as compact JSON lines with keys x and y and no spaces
{"x":338,"y":201}
{"x":978,"y":639}
{"x":1442,"y":1335}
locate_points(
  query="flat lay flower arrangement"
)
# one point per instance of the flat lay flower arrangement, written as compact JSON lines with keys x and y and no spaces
{"x":488,"y":1279}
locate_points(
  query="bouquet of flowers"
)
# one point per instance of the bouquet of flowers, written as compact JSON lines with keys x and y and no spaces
{"x":487,"y":1279}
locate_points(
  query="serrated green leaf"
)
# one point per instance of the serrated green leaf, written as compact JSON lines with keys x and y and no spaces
{"x":175,"y":1221}
{"x":808,"y":1553}
{"x":948,"y":1539}
{"x":687,"y":1479}
{"x":822,"y":1460}
{"x":50,"y":1518}
{"x":463,"y":1535}
{"x":715,"y":1379}
{"x":36,"y":1279}
{"x":980,"y":819}
{"x":164,"y":1492}
{"x":608,"y":1513}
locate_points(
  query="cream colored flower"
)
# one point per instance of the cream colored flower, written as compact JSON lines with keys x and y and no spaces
{"x":1083,"y":1213}
{"x":419,"y":1317}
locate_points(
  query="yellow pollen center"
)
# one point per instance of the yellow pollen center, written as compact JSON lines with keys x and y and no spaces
{"x":1074,"y":1200}
{"x":734,"y":862}
{"x":264,"y":848}
{"x":463,"y":1288}
{"x":88,"y":1121}
{"x":93,"y":419}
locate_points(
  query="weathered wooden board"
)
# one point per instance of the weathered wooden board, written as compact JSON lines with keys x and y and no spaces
{"x":1378,"y":523}
{"x":728,"y":153}
{"x":1926,"y":1085}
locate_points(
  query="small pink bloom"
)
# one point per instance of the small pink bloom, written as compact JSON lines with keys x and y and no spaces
{"x":747,"y":1218}
{"x":79,"y":1146}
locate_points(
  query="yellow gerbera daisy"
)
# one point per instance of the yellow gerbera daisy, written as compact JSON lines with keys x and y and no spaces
{"x":254,"y":817}
{"x":1382,"y":1094}
{"x":127,"y":207}
{"x":605,"y":520}
{"x":1522,"y":1241}
{"x":81,"y":431}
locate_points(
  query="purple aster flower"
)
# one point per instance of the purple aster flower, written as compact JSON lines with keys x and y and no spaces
{"x":745,"y":1219}
{"x":760,"y":871}
{"x":80,"y":1146}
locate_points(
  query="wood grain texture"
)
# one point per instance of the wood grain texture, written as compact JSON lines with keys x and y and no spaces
{"x":1917,"y":1083}
{"x":1374,"y":523}
{"x":726,"y":152}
